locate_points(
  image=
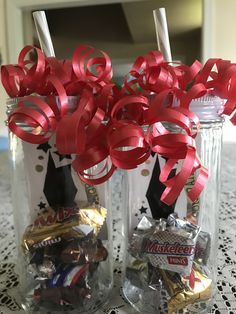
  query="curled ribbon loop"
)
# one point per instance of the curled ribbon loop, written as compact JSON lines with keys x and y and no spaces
{"x":84,"y":71}
{"x":110,"y":127}
{"x":39,"y":118}
{"x":128,"y":147}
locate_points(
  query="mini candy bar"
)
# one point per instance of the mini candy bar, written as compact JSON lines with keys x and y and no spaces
{"x":83,"y":251}
{"x":144,"y":227}
{"x":67,"y":286}
{"x":45,"y":262}
{"x":182,"y":224}
{"x":154,"y":278}
{"x":46,"y":269}
{"x":51,"y":228}
{"x":171,"y":251}
{"x":68,"y":275}
{"x":186,"y":290}
{"x":136,"y":273}
{"x":63,"y":295}
{"x":170,"y":247}
{"x":203,"y":244}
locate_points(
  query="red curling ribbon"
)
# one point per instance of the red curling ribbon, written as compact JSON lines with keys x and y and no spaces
{"x":41,"y":117}
{"x":60,"y":91}
{"x":83,"y":72}
{"x":71,"y":137}
{"x":108,"y":95}
{"x":157,"y":79}
{"x":193,"y":117}
{"x":78,"y":66}
{"x":60,"y":70}
{"x":206,"y":71}
{"x":12,"y":77}
{"x":175,"y":147}
{"x":151,"y":73}
{"x":125,"y":103}
{"x":185,"y":74}
{"x":175,"y":185}
{"x":178,"y":148}
{"x":196,"y":91}
{"x":106,"y":128}
{"x":128,"y":147}
{"x":172,"y":145}
{"x":34,"y":74}
{"x":90,"y":158}
{"x":158,"y":112}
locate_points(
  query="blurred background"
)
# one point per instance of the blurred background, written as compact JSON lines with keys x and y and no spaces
{"x":124,"y":29}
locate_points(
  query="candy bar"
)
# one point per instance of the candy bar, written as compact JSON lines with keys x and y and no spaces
{"x":63,"y":295}
{"x":52,"y":227}
{"x":166,"y":245}
{"x":136,"y":273}
{"x":186,"y":290}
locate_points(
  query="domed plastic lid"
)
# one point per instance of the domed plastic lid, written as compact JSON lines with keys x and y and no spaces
{"x":207,"y":107}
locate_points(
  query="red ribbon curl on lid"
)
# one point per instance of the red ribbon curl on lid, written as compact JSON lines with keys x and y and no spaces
{"x":112,"y":128}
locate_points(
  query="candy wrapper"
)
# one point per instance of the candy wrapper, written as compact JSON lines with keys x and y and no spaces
{"x":203,"y":244}
{"x":55,"y":226}
{"x":164,"y":245}
{"x":187,"y":290}
{"x":63,"y":250}
{"x":168,"y":261}
{"x":137,"y":272}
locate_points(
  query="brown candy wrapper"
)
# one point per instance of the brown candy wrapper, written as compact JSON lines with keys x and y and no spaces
{"x":87,"y":250}
{"x":186,"y":290}
{"x":63,"y":295}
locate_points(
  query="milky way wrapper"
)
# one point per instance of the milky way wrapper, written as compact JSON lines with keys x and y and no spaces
{"x":66,"y":223}
{"x":187,"y":290}
{"x":167,"y":247}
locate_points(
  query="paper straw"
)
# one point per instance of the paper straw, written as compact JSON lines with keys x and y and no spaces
{"x":43,"y":33}
{"x":162,"y":33}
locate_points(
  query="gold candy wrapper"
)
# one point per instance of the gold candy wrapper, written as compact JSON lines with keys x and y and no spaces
{"x":50,"y":227}
{"x":186,"y":290}
{"x":137,"y":272}
{"x":138,"y":265}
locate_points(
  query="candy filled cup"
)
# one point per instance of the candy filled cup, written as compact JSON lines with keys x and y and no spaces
{"x":63,"y":226}
{"x":172,"y":250}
